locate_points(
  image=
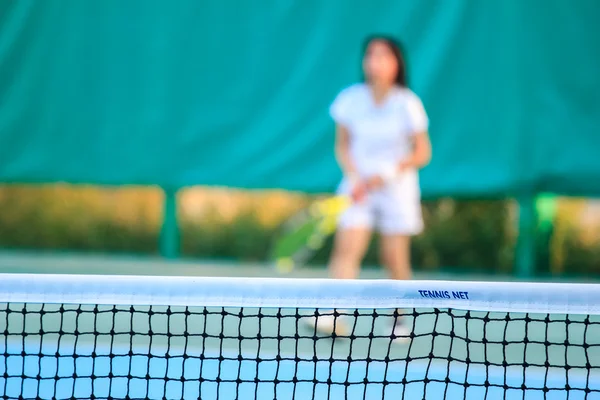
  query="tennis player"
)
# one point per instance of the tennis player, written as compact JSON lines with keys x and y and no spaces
{"x":381,"y":142}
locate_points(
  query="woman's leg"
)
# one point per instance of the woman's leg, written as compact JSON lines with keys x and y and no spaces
{"x":395,"y":255}
{"x":349,"y":248}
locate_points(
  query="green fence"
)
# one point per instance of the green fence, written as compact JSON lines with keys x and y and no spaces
{"x":235,"y":93}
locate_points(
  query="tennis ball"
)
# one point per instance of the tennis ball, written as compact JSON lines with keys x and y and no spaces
{"x":285,"y":265}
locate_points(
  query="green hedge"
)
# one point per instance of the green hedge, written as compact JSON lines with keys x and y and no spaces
{"x":473,"y":235}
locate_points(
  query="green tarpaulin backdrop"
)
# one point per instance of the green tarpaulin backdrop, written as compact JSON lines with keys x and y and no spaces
{"x":235,"y":92}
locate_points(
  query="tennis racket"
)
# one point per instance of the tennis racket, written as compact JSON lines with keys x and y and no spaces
{"x":302,"y":235}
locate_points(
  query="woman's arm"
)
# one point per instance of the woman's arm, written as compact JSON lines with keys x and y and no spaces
{"x":421,"y":146}
{"x":421,"y":154}
{"x":342,"y":151}
{"x":358,"y":189}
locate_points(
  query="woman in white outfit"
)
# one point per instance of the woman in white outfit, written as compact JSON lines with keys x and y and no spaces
{"x":381,"y":142}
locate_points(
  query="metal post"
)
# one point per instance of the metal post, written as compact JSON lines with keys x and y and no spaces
{"x":169,"y":235}
{"x":546,"y":206}
{"x":525,"y":253}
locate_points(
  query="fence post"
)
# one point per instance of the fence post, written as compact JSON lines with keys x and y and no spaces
{"x":525,"y":253}
{"x":546,"y":206}
{"x":169,"y":234}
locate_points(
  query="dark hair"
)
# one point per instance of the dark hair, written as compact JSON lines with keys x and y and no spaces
{"x":396,"y":49}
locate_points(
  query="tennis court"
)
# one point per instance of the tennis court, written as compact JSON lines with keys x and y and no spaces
{"x":229,"y":370}
{"x":251,"y":352}
{"x":255,"y":130}
{"x":267,"y":371}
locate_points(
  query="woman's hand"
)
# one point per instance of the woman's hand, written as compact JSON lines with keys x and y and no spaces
{"x":375,"y":182}
{"x":378,"y":181}
{"x":358,"y":190}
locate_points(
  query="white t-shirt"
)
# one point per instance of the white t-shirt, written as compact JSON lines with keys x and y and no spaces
{"x":380,"y":134}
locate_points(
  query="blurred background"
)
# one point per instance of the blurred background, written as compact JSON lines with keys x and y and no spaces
{"x":164,"y":131}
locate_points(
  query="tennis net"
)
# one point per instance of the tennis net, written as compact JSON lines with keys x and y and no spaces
{"x":105,"y":337}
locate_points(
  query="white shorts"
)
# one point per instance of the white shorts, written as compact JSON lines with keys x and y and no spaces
{"x":393,"y":210}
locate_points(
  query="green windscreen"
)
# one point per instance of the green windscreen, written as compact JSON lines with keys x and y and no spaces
{"x":235,"y":92}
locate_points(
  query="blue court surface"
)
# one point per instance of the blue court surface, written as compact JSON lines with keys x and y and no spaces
{"x":176,"y":368}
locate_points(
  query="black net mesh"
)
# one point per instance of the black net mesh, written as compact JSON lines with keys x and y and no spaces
{"x":86,"y":351}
